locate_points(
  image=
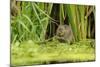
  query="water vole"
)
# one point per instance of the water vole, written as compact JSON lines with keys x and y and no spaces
{"x":64,"y":33}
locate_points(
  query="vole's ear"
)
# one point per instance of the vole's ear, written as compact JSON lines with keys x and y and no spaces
{"x":66,"y":26}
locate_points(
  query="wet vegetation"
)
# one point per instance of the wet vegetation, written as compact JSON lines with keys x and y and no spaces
{"x":45,"y":33}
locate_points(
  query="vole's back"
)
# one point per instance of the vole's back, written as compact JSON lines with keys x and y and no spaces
{"x":64,"y":33}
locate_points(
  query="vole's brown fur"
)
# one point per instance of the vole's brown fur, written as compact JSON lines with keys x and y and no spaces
{"x":64,"y":33}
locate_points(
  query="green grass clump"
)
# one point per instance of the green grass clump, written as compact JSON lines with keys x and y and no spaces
{"x":34,"y":20}
{"x":30,"y":53}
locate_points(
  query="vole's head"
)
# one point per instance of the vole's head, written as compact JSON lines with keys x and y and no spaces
{"x":61,"y":30}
